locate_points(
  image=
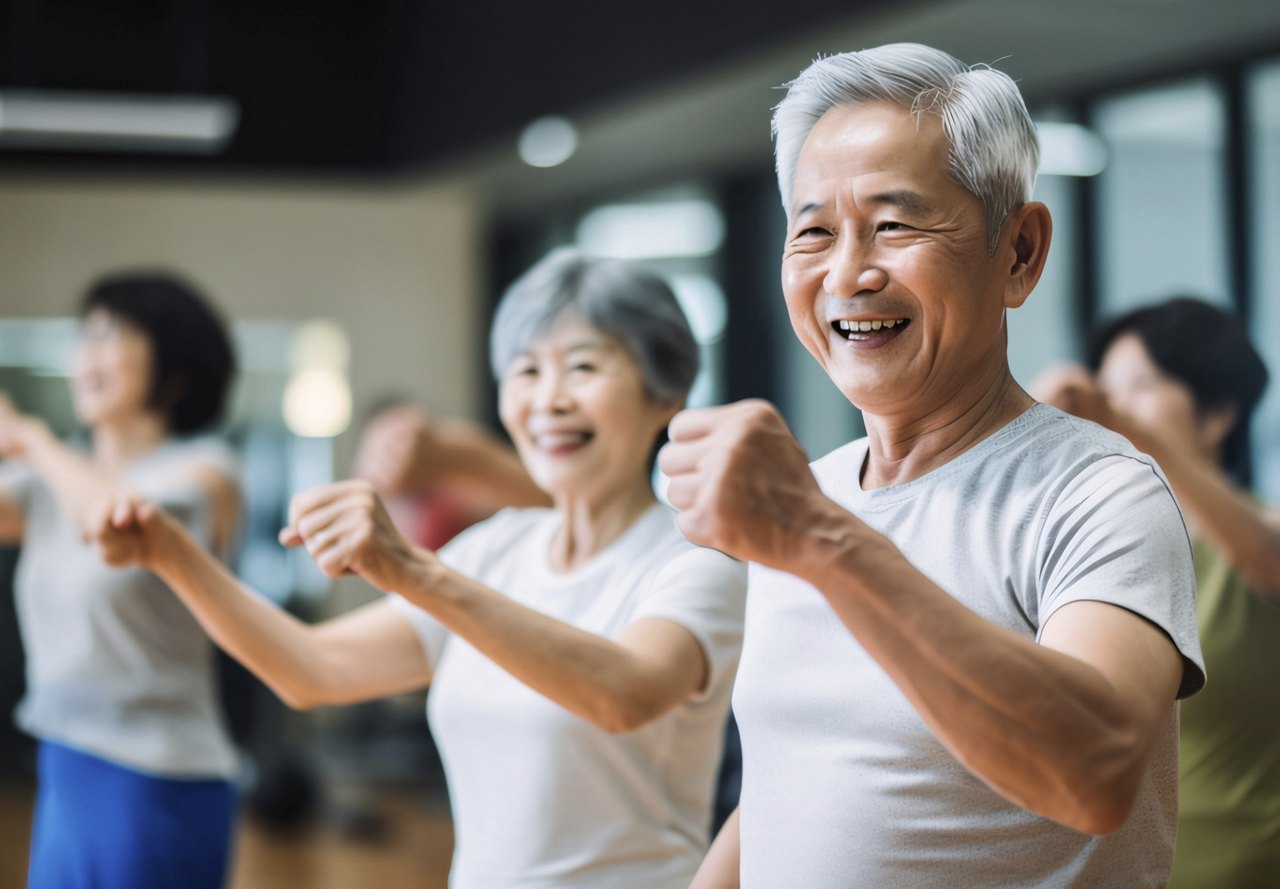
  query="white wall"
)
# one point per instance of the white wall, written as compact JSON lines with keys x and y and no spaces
{"x":398,"y":267}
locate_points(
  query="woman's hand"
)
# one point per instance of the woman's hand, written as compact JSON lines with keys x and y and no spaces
{"x":346,"y":530}
{"x":1071,"y":388}
{"x":130,"y":530}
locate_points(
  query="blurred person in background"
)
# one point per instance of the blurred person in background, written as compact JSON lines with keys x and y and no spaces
{"x":135,"y":765}
{"x":438,"y":476}
{"x":580,"y":657}
{"x":1180,"y":380}
{"x":966,"y":632}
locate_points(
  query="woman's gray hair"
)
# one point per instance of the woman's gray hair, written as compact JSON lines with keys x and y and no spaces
{"x":620,"y":299}
{"x":994,"y":151}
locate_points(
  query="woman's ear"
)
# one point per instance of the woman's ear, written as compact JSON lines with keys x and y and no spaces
{"x":1217,"y":423}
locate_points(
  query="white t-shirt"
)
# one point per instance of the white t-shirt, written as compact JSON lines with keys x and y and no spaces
{"x":843,"y":783}
{"x":540,"y":797}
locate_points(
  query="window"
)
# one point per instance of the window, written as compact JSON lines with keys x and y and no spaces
{"x":1162,"y":216}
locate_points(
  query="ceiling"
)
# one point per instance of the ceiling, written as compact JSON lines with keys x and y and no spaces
{"x":375,"y":87}
{"x":659,"y":90}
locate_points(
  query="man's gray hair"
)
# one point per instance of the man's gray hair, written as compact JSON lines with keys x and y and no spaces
{"x":994,"y":151}
{"x":620,"y":299}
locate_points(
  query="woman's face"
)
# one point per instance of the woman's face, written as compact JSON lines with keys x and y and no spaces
{"x":110,"y":370}
{"x":1136,"y":386}
{"x":576,"y":407}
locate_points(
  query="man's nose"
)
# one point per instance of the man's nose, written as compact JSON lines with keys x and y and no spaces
{"x":853,"y":269}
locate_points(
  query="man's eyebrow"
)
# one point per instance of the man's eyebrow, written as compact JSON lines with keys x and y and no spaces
{"x":904,"y":199}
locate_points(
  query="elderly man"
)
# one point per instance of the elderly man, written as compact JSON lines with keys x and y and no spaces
{"x":966,"y":632}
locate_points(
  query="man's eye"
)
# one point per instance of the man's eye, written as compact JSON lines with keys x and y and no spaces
{"x":891,"y":227}
{"x":814,"y":231}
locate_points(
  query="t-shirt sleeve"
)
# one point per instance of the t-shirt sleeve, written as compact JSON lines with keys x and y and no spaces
{"x":1115,"y":535}
{"x":177,"y":488}
{"x":705,"y":592}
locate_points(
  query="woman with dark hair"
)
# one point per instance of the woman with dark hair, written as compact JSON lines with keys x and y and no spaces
{"x":135,"y":764}
{"x":1181,"y":380}
{"x":580,"y":656}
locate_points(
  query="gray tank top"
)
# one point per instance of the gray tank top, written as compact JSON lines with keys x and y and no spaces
{"x":116,"y":665}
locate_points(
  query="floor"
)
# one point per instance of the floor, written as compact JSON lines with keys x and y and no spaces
{"x":396,"y":838}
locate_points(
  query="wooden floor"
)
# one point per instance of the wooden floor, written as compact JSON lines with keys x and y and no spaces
{"x":411,"y":850}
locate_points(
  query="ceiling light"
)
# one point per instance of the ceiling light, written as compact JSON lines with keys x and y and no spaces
{"x":548,"y":142}
{"x":69,"y":121}
{"x":692,"y":227}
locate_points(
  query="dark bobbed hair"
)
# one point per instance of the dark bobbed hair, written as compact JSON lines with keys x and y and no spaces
{"x":193,"y":361}
{"x":1205,"y":348}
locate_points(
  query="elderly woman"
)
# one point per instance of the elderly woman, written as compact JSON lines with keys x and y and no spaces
{"x":1181,"y":380}
{"x":134,"y":761}
{"x":580,"y":656}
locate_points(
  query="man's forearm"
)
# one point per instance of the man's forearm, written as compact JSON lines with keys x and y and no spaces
{"x":1046,"y":729}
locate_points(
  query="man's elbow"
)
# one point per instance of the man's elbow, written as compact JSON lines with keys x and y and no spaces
{"x":1102,"y":804}
{"x":1104,"y":817}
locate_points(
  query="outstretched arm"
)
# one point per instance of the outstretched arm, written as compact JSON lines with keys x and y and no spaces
{"x":75,"y":483}
{"x":1246,"y":534}
{"x":617,"y":685}
{"x":406,"y":452}
{"x":1064,"y":728}
{"x":370,"y":653}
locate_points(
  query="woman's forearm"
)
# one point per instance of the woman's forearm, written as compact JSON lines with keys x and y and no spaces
{"x":77,"y":485}
{"x":1231,"y":522}
{"x":271,"y":643}
{"x":616,"y":685}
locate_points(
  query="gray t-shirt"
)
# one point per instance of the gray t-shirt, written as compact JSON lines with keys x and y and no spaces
{"x":116,"y":665}
{"x":843,"y":783}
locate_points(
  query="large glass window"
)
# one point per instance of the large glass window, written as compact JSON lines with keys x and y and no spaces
{"x":1162,"y":217}
{"x":1263,"y":103}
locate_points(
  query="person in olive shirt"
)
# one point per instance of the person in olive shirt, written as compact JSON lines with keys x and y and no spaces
{"x":1181,"y":380}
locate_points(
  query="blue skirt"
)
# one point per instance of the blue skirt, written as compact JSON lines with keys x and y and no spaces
{"x":98,"y":825}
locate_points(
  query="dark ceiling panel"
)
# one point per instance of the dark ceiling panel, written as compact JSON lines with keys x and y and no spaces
{"x":376,"y":87}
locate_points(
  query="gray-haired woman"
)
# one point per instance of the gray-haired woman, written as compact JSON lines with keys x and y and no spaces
{"x":580,"y":657}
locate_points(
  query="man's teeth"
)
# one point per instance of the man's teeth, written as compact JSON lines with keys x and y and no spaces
{"x":868,"y":326}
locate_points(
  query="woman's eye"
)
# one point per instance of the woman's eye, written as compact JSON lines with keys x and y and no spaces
{"x":583,"y":366}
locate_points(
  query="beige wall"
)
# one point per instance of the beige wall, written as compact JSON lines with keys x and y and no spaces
{"x":397,"y":267}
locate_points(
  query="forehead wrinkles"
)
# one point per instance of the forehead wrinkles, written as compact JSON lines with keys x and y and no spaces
{"x":879,"y":153}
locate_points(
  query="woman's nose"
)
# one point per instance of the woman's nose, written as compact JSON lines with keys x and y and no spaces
{"x":551,"y":395}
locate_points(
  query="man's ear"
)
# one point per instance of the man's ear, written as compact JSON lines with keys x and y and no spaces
{"x":1028,"y":231}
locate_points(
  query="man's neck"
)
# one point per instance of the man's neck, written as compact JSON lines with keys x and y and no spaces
{"x":904,"y":447}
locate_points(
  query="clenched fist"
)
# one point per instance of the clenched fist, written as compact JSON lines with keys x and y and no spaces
{"x":346,"y":530}
{"x":129,"y":530}
{"x":742,"y":483}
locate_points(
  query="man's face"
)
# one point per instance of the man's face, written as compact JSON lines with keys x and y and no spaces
{"x":885,"y":270}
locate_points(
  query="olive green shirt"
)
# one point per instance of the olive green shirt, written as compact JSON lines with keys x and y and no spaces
{"x":1229,"y":758}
